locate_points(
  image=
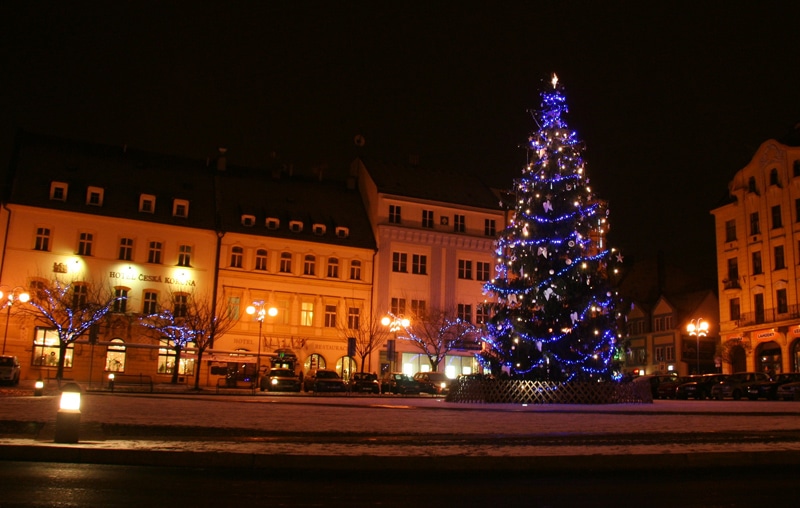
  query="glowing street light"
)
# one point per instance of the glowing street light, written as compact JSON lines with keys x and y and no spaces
{"x":260,"y":310}
{"x":395,"y":324}
{"x":698,"y":328}
{"x":18,"y":294}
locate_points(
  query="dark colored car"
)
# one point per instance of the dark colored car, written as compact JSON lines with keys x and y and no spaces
{"x":667,"y":389}
{"x":397,"y":382}
{"x":323,"y":380}
{"x":361,"y":382}
{"x":654,"y":380}
{"x":769,"y":389}
{"x":699,"y":388}
{"x":281,"y":380}
{"x":788,"y":391}
{"x":736,"y":385}
{"x":435,"y":383}
{"x":9,"y":369}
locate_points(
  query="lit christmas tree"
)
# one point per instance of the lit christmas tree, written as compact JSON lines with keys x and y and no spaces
{"x":555,"y":316}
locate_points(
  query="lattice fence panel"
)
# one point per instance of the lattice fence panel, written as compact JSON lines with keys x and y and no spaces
{"x":490,"y":391}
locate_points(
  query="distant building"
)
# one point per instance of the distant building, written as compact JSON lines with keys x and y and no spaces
{"x":758,"y":258}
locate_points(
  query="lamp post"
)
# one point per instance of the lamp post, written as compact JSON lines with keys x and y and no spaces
{"x":394,"y":323}
{"x":260,"y":310}
{"x":18,"y":294}
{"x":698,"y":328}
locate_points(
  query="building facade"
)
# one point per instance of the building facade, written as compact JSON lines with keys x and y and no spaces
{"x":758,"y":253}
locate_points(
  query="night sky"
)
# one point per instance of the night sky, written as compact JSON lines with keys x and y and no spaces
{"x":671,"y":100}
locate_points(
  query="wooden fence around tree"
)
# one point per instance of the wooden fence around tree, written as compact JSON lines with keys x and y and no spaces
{"x":491,"y":391}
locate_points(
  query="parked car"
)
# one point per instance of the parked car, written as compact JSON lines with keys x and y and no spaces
{"x":769,"y":389}
{"x":435,"y":383}
{"x":788,"y":391}
{"x":280,"y":380}
{"x":653,"y":380}
{"x":323,"y":380}
{"x":699,"y":388}
{"x":9,"y":369}
{"x":666,"y":389}
{"x":736,"y":385}
{"x":361,"y":382}
{"x":397,"y":382}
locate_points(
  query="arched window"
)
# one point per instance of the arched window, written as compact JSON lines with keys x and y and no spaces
{"x":310,"y":265}
{"x":346,"y":366}
{"x":315,"y":361}
{"x":773,"y":177}
{"x":237,"y":254}
{"x":261,"y":259}
{"x":115,"y":356}
{"x":751,"y":185}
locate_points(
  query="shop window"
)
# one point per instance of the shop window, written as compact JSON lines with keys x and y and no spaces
{"x":115,"y":356}
{"x":166,"y":359}
{"x":46,"y":349}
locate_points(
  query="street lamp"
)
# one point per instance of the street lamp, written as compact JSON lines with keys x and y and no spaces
{"x":18,"y":294}
{"x":258,"y":308}
{"x":394,"y":323}
{"x":698,"y":328}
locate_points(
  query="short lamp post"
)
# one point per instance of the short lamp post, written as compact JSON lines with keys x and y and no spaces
{"x":38,"y":388}
{"x":395,"y":324}
{"x":697,"y":328}
{"x":18,"y":294}
{"x":68,"y":418}
{"x":260,"y":310}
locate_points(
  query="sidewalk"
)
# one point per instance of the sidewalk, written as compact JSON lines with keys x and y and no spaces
{"x":286,"y":432}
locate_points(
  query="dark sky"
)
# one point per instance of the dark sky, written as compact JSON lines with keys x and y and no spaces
{"x":671,"y":99}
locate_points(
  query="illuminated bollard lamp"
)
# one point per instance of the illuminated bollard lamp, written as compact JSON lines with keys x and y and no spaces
{"x":68,"y":418}
{"x":111,"y":378}
{"x":38,"y":388}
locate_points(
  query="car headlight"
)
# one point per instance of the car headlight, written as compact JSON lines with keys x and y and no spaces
{"x":273,"y":381}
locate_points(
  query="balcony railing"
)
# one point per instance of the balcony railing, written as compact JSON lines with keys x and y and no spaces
{"x":768,"y":316}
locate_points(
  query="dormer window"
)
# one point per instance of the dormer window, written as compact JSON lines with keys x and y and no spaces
{"x":273,"y":223}
{"x":248,"y":220}
{"x":58,"y":191}
{"x":94,"y":196}
{"x":342,"y":232}
{"x":147,"y":203}
{"x":180,"y":208}
{"x":295,"y":226}
{"x":319,"y":229}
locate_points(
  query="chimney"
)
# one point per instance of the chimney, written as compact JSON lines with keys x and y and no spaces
{"x":222,"y":160}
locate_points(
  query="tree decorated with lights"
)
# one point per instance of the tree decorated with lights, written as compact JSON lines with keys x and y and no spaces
{"x":555,"y":316}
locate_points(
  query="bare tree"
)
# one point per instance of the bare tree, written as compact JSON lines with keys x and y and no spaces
{"x":70,"y":308}
{"x":369,"y":335}
{"x":436,"y":333}
{"x":170,"y":322}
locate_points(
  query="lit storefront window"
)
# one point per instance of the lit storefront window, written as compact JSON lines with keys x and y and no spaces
{"x":46,"y":349}
{"x":166,"y":359}
{"x":115,"y":356}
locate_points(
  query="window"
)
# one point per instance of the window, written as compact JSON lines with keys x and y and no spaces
{"x":286,"y":262}
{"x":125,"y":249}
{"x":261,"y":260}
{"x":757,"y":269}
{"x":780,"y":261}
{"x":180,"y":305}
{"x":663,"y":323}
{"x":234,"y":304}
{"x":658,"y":354}
{"x":751,"y":185}
{"x":166,"y":360}
{"x":353,"y":318}
{"x":459,"y":223}
{"x":730,"y":230}
{"x":489,"y":227}
{"x":398,"y":306}
{"x":42,"y":239}
{"x":273,"y":223}
{"x":295,"y":226}
{"x":319,"y":229}
{"x":342,"y":232}
{"x":147,"y":203}
{"x":669,"y":353}
{"x":464,"y":269}
{"x":80,"y":296}
{"x":418,"y":307}
{"x":184,"y":255}
{"x":782,"y":302}
{"x":58,"y":191}
{"x":733,"y":308}
{"x":636,"y":327}
{"x":307,"y":314}
{"x":333,"y":268}
{"x":115,"y":356}
{"x":733,"y":269}
{"x":796,"y":168}
{"x":248,"y":221}
{"x":773,"y":177}
{"x":394,"y":214}
{"x":330,"y":316}
{"x":85,"y":241}
{"x":419,"y":264}
{"x":482,"y":271}
{"x":46,"y":349}
{"x":777,"y":222}
{"x":482,"y":313}
{"x":399,"y":262}
{"x":154,"y":252}
{"x":150,"y":303}
{"x":180,"y":208}
{"x":237,"y":256}
{"x":427,"y":218}
{"x":465,"y":312}
{"x":94,"y":196}
{"x":120,"y":300}
{"x":755,"y":228}
{"x":355,"y":270}
{"x":758,"y":305}
{"x":309,"y":265}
